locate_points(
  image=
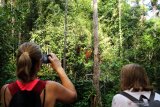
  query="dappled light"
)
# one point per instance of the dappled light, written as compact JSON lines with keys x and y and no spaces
{"x":93,"y":39}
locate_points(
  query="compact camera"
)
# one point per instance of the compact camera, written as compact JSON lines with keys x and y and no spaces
{"x":45,"y":59}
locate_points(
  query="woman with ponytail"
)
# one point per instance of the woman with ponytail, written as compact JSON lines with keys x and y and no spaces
{"x":28,"y":63}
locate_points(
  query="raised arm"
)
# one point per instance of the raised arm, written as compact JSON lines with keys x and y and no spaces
{"x":66,"y":91}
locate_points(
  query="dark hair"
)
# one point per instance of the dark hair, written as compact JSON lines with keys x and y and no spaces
{"x":134,"y":76}
{"x":28,"y":56}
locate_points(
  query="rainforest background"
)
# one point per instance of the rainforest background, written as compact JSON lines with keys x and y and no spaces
{"x":127,"y":34}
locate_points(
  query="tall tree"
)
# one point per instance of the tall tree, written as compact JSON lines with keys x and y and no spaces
{"x":120,"y":28}
{"x":96,"y":70}
{"x":65,"y":34}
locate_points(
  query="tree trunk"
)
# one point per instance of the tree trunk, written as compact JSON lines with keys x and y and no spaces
{"x":120,"y":29}
{"x":65,"y":34}
{"x":96,"y":71}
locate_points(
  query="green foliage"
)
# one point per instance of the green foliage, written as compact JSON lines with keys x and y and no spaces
{"x":42,"y":21}
{"x":49,"y":34}
{"x":85,"y":92}
{"x":7,"y":45}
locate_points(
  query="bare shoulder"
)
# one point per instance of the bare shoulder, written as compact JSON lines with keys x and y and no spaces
{"x":3,"y":88}
{"x":61,"y":93}
{"x":52,"y":85}
{"x":56,"y":87}
{"x":2,"y":92}
{"x":51,"y":89}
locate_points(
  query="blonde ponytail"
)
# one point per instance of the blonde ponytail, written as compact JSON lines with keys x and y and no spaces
{"x":24,"y":65}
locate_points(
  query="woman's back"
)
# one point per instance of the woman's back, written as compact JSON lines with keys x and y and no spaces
{"x":120,"y":100}
{"x":53,"y":91}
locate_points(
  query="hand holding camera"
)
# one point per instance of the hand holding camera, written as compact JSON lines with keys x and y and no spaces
{"x":55,"y":62}
{"x":45,"y":59}
{"x":52,"y":58}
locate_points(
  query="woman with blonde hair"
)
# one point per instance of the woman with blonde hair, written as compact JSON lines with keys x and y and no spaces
{"x":28,"y":63}
{"x":135,"y":87}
